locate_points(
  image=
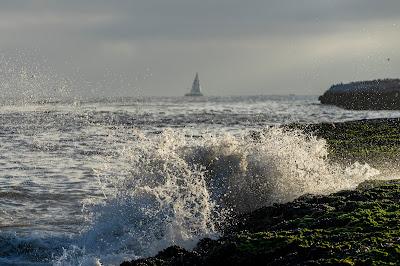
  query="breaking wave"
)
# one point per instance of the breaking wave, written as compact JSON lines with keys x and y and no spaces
{"x":171,"y":188}
{"x":174,"y":189}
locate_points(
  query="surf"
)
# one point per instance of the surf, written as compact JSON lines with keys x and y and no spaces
{"x":172,"y":189}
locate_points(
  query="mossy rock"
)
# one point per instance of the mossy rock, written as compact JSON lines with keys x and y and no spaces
{"x":359,"y":227}
{"x":374,"y":141}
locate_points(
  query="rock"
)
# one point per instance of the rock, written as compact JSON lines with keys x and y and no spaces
{"x":365,"y":95}
{"x":357,"y":227}
{"x":372,"y":141}
{"x":173,"y":255}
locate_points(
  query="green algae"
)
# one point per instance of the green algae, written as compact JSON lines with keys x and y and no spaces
{"x":365,"y":140}
{"x":359,"y":227}
{"x":356,"y":228}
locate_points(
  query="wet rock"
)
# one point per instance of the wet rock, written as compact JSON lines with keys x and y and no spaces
{"x":357,"y":227}
{"x":173,"y":255}
{"x":375,"y":141}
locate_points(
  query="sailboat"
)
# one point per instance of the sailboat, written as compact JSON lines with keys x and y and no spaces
{"x":196,"y":88}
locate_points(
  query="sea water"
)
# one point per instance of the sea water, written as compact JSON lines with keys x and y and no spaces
{"x":99,"y":181}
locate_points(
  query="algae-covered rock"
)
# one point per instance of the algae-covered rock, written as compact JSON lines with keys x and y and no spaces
{"x":359,"y":227}
{"x":374,"y":141}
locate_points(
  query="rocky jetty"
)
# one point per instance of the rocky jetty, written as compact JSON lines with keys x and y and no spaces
{"x":380,"y":94}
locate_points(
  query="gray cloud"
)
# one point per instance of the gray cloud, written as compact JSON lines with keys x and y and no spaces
{"x":239,"y":47}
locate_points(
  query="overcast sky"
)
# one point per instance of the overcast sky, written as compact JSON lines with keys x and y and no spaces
{"x":154,"y":47}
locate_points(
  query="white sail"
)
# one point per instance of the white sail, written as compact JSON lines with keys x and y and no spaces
{"x":196,"y":88}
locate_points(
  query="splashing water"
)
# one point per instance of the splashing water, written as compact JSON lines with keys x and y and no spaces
{"x":173,"y":189}
{"x":26,"y":79}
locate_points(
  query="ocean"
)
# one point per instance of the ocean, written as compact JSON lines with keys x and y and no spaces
{"x":96,"y":182}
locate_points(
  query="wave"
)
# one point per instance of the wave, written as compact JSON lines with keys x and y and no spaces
{"x":173,"y":189}
{"x":170,"y":188}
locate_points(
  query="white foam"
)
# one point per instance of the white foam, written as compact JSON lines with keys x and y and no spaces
{"x":168,"y":189}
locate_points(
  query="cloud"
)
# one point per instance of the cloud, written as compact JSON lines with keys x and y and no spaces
{"x":188,"y":19}
{"x":233,"y":19}
{"x":239,"y":47}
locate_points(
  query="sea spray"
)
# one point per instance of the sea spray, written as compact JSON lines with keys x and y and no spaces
{"x":170,"y":188}
{"x":27,"y":78}
{"x":246,"y":172}
{"x":152,"y":200}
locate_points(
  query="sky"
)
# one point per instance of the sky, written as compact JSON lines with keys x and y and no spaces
{"x":155,"y":47}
